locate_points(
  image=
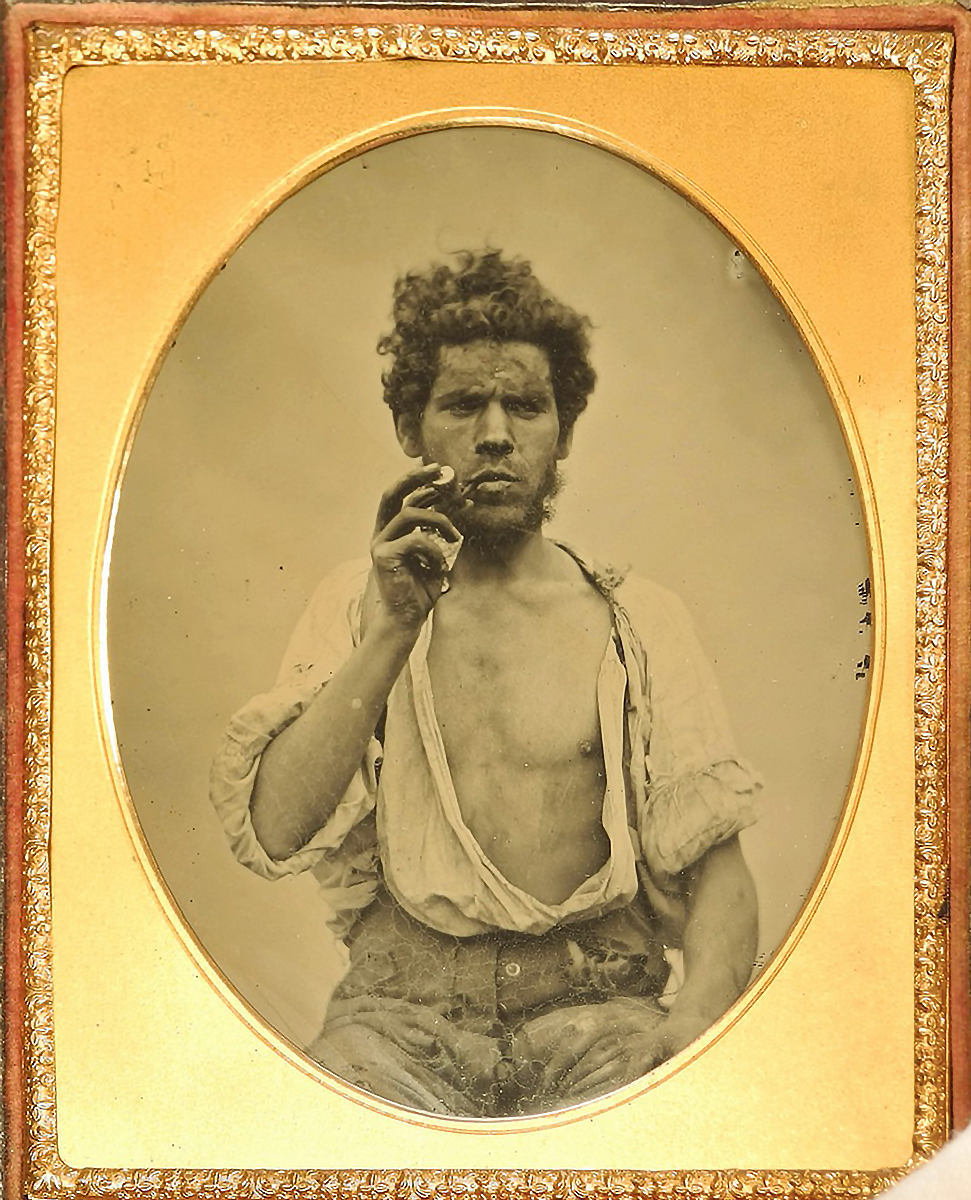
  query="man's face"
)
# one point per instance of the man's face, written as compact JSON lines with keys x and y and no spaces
{"x":492,"y":417}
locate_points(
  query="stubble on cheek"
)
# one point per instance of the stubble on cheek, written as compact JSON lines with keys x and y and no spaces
{"x":496,"y":522}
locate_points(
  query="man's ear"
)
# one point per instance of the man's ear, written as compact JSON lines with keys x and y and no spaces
{"x":564,"y":444}
{"x":408,"y":428}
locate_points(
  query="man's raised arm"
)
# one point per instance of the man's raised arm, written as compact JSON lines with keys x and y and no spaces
{"x":307,"y":768}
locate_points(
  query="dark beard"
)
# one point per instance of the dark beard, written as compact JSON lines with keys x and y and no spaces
{"x":541,"y":508}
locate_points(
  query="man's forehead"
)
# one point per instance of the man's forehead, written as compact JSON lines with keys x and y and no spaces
{"x":485,"y":360}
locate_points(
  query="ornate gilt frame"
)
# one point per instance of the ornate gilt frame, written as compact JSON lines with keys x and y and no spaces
{"x":53,"y":46}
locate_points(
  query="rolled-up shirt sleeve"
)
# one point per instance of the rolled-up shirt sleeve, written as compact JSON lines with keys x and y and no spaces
{"x":698,"y":790}
{"x":322,"y":642}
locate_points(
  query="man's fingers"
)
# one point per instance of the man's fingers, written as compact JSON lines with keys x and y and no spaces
{"x":580,"y":1025}
{"x":626,"y":1059}
{"x":397,"y":1030}
{"x":416,"y":518}
{"x":608,"y":1077}
{"x":569,"y":1052}
{"x":393,"y":497}
{"x":577,"y":1042}
{"x":421,"y":497}
{"x":614,"y":1074}
{"x":608,"y":1050}
{"x":593,"y":1075}
{"x":560,"y":1045}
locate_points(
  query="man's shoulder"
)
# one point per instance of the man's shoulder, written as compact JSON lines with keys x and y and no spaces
{"x":647,"y":595}
{"x":345,"y":578}
{"x":339,"y":594}
{"x":330,"y":623}
{"x":642,"y":598}
{"x":603,"y":576}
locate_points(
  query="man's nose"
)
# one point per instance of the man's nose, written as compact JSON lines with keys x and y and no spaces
{"x":493,"y":435}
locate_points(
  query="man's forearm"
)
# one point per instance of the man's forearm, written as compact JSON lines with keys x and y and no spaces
{"x":720,"y":940}
{"x":307,"y":768}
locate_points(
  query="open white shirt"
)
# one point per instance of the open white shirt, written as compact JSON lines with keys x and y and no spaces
{"x":683,"y":786}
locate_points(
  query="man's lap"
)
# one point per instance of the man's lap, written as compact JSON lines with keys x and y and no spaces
{"x":411,"y":1055}
{"x":489,"y":1026}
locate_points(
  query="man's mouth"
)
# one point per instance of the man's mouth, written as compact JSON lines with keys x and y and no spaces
{"x":491,"y":476}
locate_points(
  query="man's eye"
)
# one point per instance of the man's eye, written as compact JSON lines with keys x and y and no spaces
{"x":525,"y":407}
{"x":464,"y":406}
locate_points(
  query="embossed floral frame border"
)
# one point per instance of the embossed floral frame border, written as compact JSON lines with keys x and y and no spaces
{"x":44,"y":42}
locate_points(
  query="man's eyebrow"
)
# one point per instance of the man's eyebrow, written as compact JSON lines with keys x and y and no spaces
{"x":538,"y":392}
{"x":460,"y":390}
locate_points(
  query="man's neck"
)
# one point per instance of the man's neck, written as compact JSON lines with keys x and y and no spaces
{"x":525,"y":555}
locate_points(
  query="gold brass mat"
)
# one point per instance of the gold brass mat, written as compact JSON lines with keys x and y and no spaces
{"x":53,"y":50}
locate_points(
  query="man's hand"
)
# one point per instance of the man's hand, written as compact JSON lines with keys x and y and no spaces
{"x":410,"y":567}
{"x":578,"y":1053}
{"x":588,"y":1050}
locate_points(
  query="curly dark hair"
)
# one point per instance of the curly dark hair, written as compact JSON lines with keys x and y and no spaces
{"x":484,"y":296}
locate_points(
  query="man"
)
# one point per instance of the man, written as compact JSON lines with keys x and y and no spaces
{"x":508,"y":769}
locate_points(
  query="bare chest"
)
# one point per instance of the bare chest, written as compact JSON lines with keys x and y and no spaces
{"x":516,"y":683}
{"x":515,"y":691}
